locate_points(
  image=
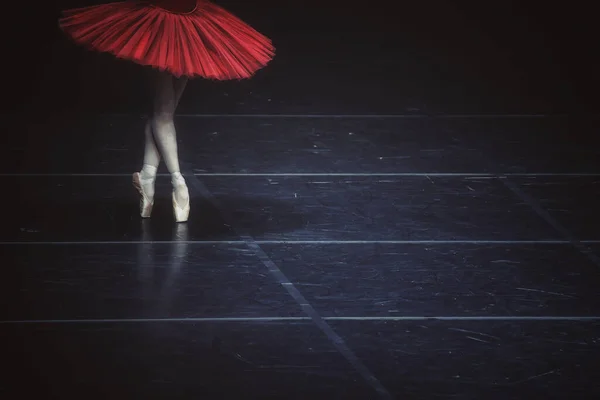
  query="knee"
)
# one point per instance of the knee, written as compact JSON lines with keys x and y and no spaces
{"x":162,"y":118}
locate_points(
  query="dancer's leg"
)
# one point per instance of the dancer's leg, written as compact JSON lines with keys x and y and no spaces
{"x":160,"y":131}
{"x":144,"y":180}
{"x":151,"y":161}
{"x":163,"y":126}
{"x":151,"y":153}
{"x":163,"y":129}
{"x":180,"y":84}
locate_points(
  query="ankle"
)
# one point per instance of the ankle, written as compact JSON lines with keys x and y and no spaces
{"x":177,"y":179}
{"x":148,"y":171}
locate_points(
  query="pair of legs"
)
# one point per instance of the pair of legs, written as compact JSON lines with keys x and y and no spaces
{"x":161,"y":140}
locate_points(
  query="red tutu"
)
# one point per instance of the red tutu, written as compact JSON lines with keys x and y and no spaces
{"x":186,"y":39}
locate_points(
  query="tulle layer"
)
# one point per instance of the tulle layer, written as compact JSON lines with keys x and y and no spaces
{"x":209,"y":42}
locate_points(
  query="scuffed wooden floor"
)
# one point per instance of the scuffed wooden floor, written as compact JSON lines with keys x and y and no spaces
{"x":327,"y":258}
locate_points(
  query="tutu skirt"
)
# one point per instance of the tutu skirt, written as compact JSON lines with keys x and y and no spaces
{"x":186,"y":38}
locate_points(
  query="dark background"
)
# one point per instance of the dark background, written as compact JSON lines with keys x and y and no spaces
{"x":389,"y":57}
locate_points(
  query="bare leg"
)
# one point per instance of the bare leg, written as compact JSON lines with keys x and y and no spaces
{"x":160,"y":138}
{"x":151,"y":153}
{"x":168,"y":93}
{"x":163,"y":126}
{"x":151,"y":161}
{"x":180,"y":84}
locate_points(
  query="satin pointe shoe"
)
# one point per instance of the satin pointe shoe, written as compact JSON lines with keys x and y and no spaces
{"x":180,"y":211}
{"x":146,"y":202}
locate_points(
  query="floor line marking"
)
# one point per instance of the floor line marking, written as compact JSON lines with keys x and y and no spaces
{"x":565,"y":318}
{"x":301,"y":242}
{"x":515,"y":189}
{"x":330,"y":174}
{"x":336,"y":340}
{"x":364,"y":116}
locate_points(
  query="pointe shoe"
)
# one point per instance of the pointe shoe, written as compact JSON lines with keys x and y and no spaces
{"x":146,"y":202}
{"x":181,"y":212}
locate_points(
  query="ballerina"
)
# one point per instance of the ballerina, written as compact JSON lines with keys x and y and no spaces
{"x":181,"y":39}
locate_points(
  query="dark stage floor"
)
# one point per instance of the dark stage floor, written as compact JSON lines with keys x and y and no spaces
{"x":352,"y":234}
